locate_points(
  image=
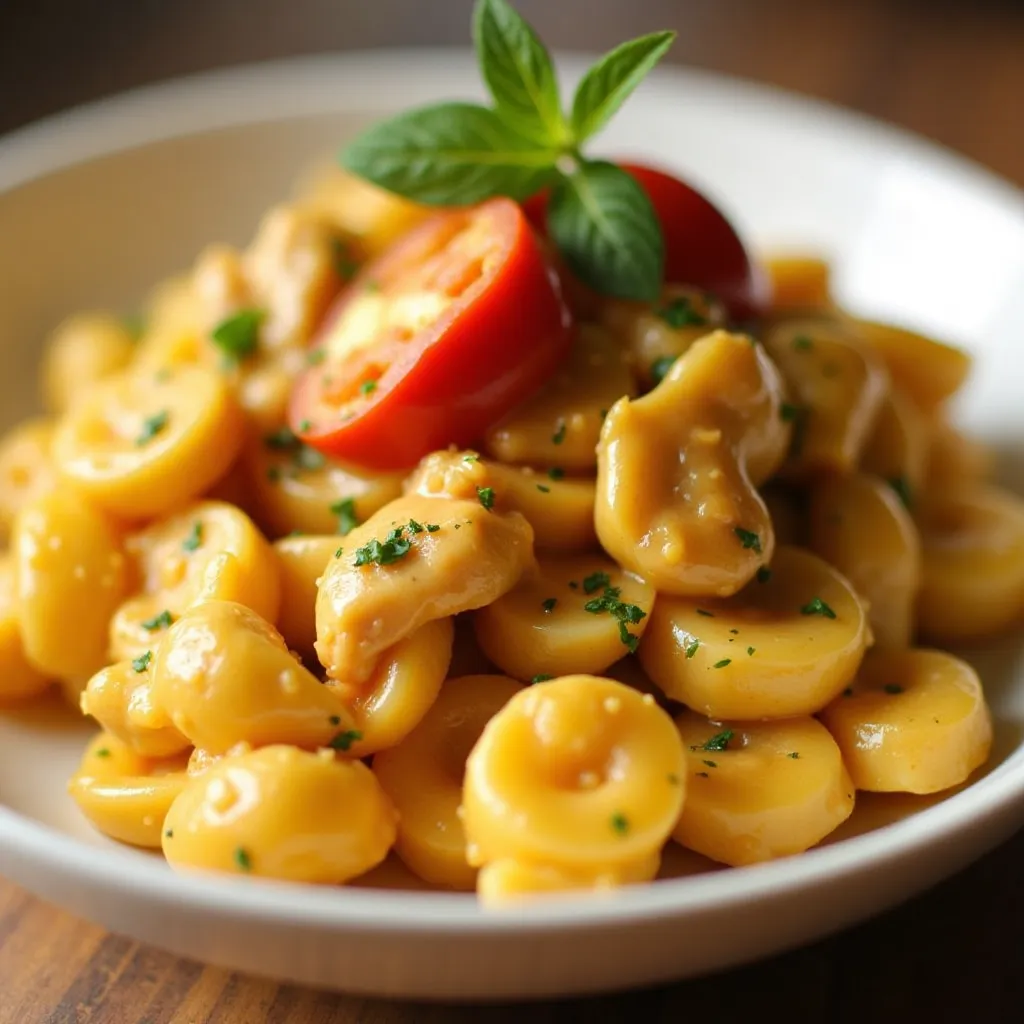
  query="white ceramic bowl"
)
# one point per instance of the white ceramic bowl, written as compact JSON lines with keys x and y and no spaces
{"x":99,"y":203}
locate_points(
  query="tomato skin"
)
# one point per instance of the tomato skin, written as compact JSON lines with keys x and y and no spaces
{"x":491,"y":349}
{"x":701,"y":247}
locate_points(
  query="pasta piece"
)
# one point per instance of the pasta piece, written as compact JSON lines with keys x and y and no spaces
{"x":913,"y":721}
{"x":294,"y":487}
{"x":784,"y":646}
{"x":956,"y":462}
{"x":280,"y":812}
{"x":125,"y":795}
{"x":423,"y":776}
{"x":140,"y":446}
{"x":172,"y":328}
{"x":677,"y":470}
{"x":403,"y":686}
{"x":656,"y":334}
{"x":70,"y":576}
{"x":897,"y":448}
{"x":580,"y":773}
{"x":859,"y":525}
{"x":302,"y":561}
{"x":223,"y":676}
{"x":799,"y":283}
{"x":757,"y":791}
{"x":560,"y":510}
{"x":837,"y":387}
{"x":560,"y":426}
{"x":82,"y":351}
{"x":18,"y":678}
{"x":26,"y":468}
{"x":209,"y":551}
{"x":573,"y":615}
{"x":973,"y":565}
{"x":120,"y":698}
{"x":415,"y":560}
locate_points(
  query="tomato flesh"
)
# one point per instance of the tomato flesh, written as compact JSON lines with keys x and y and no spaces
{"x":461,"y":320}
{"x":701,"y":247}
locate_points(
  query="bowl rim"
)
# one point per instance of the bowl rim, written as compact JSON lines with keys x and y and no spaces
{"x":294,"y":88}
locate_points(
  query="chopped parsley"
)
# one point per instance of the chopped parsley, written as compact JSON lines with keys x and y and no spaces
{"x":559,"y":435}
{"x":673,"y":779}
{"x":242,"y":859}
{"x":315,"y":356}
{"x":161,"y":621}
{"x":368,"y":387}
{"x":596,"y":581}
{"x":620,"y":823}
{"x":195,"y":537}
{"x":415,"y":527}
{"x":893,"y":688}
{"x":795,"y":755}
{"x":716,"y":744}
{"x":308,"y":458}
{"x":237,"y":336}
{"x":303,"y":457}
{"x":335,"y":719}
{"x":280,"y":439}
{"x":556,"y":473}
{"x":722,"y":663}
{"x":702,"y":775}
{"x":345,"y":265}
{"x":151,"y":426}
{"x":141,"y":663}
{"x":134,"y":324}
{"x":543,"y":488}
{"x":471,"y":457}
{"x":548,"y":604}
{"x":680,"y":313}
{"x":750,"y":540}
{"x":103,"y":752}
{"x":764,"y":574}
{"x":750,"y":651}
{"x":486,"y":496}
{"x":901,"y":485}
{"x":344,"y":740}
{"x":305,"y":426}
{"x":692,"y":647}
{"x":542,"y":678}
{"x":432,"y":527}
{"x":391,"y":549}
{"x":802,"y":343}
{"x":817,"y":607}
{"x":345,"y":510}
{"x":706,"y":614}
{"x":789,"y":412}
{"x":169,"y":834}
{"x":626,"y":614}
{"x":660,"y":367}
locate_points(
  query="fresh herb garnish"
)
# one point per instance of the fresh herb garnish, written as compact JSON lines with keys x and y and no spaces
{"x":620,"y":823}
{"x":308,"y":458}
{"x":280,"y":439}
{"x":660,"y":367}
{"x":625,"y":614}
{"x":103,"y":752}
{"x":368,"y":387}
{"x":548,"y":604}
{"x":555,"y":473}
{"x":458,"y":154}
{"x":161,"y":621}
{"x":795,"y":755}
{"x":486,"y":496}
{"x":432,"y":527}
{"x":345,"y":264}
{"x":195,"y":538}
{"x":680,"y":313}
{"x":893,"y":688}
{"x":391,"y":549}
{"x":141,"y":663}
{"x":237,"y":336}
{"x":151,"y":426}
{"x":750,"y":540}
{"x":750,"y":651}
{"x":788,"y":412}
{"x":722,"y":663}
{"x":802,"y":343}
{"x":710,"y":764}
{"x":315,"y":356}
{"x":345,"y":510}
{"x":334,"y":719}
{"x":716,"y":744}
{"x":901,"y":485}
{"x":542,"y":678}
{"x":543,"y":488}
{"x":692,"y":647}
{"x":705,"y":613}
{"x":242,"y":859}
{"x":344,"y":740}
{"x":764,"y":574}
{"x":596,"y":581}
{"x":559,"y":435}
{"x":817,"y":607}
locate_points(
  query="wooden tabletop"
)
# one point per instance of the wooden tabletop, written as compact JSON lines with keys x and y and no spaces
{"x":953,"y":71}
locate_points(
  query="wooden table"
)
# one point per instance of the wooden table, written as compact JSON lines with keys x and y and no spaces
{"x":953,"y":71}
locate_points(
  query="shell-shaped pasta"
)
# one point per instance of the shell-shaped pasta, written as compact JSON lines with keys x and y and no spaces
{"x":572,"y":615}
{"x":784,"y":646}
{"x":837,"y":387}
{"x":560,"y":509}
{"x":125,"y":795}
{"x":84,"y":349}
{"x":26,"y":467}
{"x":223,"y":675}
{"x":561,"y":424}
{"x":208,"y":551}
{"x":423,"y":776}
{"x":860,"y":526}
{"x":280,"y":812}
{"x":677,"y":470}
{"x":914,"y":721}
{"x":972,"y":546}
{"x":140,"y":445}
{"x":70,"y":576}
{"x":897,"y":447}
{"x":19,"y":679}
{"x":444,"y":557}
{"x":956,"y":462}
{"x":301,"y":562}
{"x":580,"y":772}
{"x":757,"y":791}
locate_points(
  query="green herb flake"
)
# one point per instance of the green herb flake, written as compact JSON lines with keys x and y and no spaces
{"x":702,"y":775}
{"x":308,"y":458}
{"x":710,"y":764}
{"x":315,"y":356}
{"x":345,"y":510}
{"x":556,"y":473}
{"x":620,"y":823}
{"x":548,"y":604}
{"x":141,"y":663}
{"x":305,"y":426}
{"x":795,"y":755}
{"x":414,"y":526}
{"x":334,"y":720}
{"x":788,"y":412}
{"x":673,"y":779}
{"x":103,"y":752}
{"x":705,"y":613}
{"x":802,"y":343}
{"x":368,"y":387}
{"x":345,"y":265}
{"x":161,"y":621}
{"x":892,"y":688}
{"x":344,"y":740}
{"x":596,"y":581}
{"x":817,"y":607}
{"x":542,"y":678}
{"x":543,"y":488}
{"x":385,"y":552}
{"x":559,"y":435}
{"x":764,"y":574}
{"x":195,"y":538}
{"x":471,"y":457}
{"x":486,"y":496}
{"x":716,"y":744}
{"x":901,"y":485}
{"x":750,"y":540}
{"x":680,"y":313}
{"x":151,"y":426}
{"x":692,"y":647}
{"x":432,"y":527}
{"x":169,"y":834}
{"x":660,"y":367}
{"x":281,"y":439}
{"x":723,"y":663}
{"x":242,"y":859}
{"x":237,"y":336}
{"x":751,"y":650}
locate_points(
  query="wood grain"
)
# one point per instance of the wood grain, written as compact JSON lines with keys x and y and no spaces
{"x":952,"y":71}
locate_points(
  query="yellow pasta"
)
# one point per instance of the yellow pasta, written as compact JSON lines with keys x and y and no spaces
{"x":18,"y":678}
{"x":301,"y":562}
{"x":799,"y":283}
{"x":26,"y":467}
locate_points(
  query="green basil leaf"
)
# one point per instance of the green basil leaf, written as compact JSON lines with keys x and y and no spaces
{"x":607,"y":85}
{"x":518,"y":70}
{"x":603,"y":223}
{"x":452,"y":154}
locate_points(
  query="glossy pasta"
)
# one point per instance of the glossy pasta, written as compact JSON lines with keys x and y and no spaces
{"x":680,"y":594}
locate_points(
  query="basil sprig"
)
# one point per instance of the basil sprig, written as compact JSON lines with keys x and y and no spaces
{"x":457,"y":154}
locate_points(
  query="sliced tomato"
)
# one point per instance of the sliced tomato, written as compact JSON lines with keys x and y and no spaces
{"x":701,"y":247}
{"x":434,"y":341}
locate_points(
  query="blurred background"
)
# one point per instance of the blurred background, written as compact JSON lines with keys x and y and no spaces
{"x":950,"y":69}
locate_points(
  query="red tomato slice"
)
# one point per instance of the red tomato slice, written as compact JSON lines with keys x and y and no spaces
{"x":438,"y":338}
{"x":701,"y":247}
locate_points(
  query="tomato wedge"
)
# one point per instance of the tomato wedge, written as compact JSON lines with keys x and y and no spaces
{"x":701,"y":247}
{"x":438,"y":338}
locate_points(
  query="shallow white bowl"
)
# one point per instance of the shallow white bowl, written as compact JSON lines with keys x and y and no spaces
{"x":97,"y":204}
